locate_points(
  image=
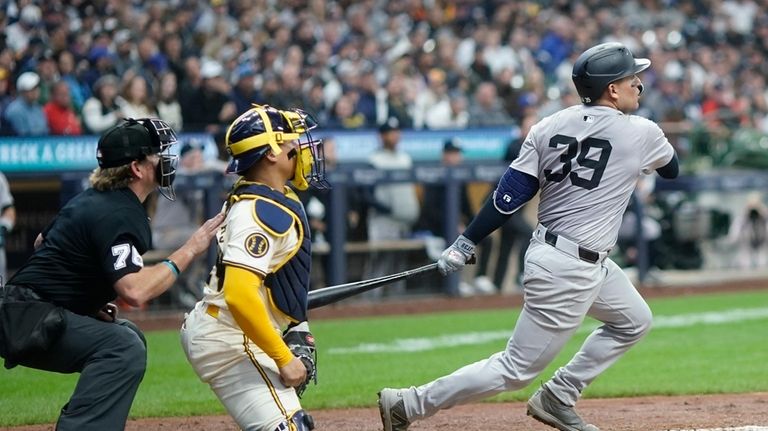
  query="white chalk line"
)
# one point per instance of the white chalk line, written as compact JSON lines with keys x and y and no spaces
{"x":746,"y":428}
{"x":422,"y":344}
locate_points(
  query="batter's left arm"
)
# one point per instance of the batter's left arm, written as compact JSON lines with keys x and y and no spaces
{"x":515,"y":188}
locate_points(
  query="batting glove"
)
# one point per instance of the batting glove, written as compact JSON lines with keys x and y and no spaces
{"x":456,"y":256}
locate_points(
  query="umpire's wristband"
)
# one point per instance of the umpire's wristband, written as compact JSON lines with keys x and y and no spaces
{"x":172,"y":266}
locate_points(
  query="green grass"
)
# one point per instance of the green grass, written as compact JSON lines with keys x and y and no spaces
{"x":703,"y":358}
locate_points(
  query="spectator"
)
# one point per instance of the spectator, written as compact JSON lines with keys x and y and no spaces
{"x":168,"y":107}
{"x":209,"y":107}
{"x":7,"y":222}
{"x":18,"y":34}
{"x":394,"y":207}
{"x":67,"y":73}
{"x":314,"y":102}
{"x":101,"y":111}
{"x":102,"y":62}
{"x":433,"y":106}
{"x":459,"y":116}
{"x":24,"y":114}
{"x":49,"y":75}
{"x":486,"y":109}
{"x":344,"y":115}
{"x":399,"y":103}
{"x":5,"y":100}
{"x":134,"y":100}
{"x":244,"y":94}
{"x":62,"y":119}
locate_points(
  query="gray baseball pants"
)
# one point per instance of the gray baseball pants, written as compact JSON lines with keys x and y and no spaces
{"x":560,"y":290}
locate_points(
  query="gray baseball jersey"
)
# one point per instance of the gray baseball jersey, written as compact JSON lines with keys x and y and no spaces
{"x":587,"y":160}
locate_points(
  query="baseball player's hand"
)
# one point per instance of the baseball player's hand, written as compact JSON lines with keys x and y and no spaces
{"x":301,"y":342}
{"x":456,"y":256}
{"x":294,"y":374}
{"x":200,"y":240}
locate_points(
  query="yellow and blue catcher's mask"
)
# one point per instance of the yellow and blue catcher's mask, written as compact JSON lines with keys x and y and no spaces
{"x":263,"y":128}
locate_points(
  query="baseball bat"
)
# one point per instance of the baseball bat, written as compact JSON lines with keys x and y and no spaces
{"x":329,"y":295}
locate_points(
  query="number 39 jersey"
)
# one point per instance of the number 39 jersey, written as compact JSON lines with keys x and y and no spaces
{"x":588,"y":160}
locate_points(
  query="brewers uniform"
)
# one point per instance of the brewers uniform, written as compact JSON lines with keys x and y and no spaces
{"x":263,"y":230}
{"x":260,"y":282}
{"x":585,"y":161}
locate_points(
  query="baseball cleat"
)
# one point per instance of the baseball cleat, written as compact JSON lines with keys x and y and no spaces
{"x":392,"y":410}
{"x":545,"y":408}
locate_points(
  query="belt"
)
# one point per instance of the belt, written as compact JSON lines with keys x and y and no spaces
{"x":570,"y":247}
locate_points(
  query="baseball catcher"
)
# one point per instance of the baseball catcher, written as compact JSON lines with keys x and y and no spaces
{"x":248,"y":338}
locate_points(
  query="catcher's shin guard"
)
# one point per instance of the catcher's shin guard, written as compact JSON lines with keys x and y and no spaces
{"x":299,"y":421}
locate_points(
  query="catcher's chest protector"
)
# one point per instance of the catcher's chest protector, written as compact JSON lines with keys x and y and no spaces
{"x":289,"y":284}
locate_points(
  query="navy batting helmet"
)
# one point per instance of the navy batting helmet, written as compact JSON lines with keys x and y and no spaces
{"x":602,"y":64}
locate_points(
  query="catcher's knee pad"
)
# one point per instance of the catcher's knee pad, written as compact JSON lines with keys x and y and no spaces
{"x":299,"y":421}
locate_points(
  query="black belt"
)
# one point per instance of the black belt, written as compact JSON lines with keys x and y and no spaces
{"x":585,"y":254}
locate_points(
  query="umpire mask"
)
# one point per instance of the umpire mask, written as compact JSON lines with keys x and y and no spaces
{"x":165,"y":172}
{"x":135,"y":139}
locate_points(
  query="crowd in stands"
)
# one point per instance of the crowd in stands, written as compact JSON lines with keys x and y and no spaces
{"x":76,"y":67}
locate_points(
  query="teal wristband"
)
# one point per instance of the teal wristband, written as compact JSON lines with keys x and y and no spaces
{"x":172,"y":266}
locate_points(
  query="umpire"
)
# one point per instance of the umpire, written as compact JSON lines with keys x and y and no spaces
{"x":55,"y":312}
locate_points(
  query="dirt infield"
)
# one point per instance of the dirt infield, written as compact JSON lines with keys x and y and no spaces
{"x":709,"y":412}
{"x":696,"y":412}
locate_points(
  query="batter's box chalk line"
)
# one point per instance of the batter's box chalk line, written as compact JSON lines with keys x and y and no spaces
{"x":746,"y":428}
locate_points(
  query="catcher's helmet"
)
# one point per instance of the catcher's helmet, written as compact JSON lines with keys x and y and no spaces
{"x":263,"y":128}
{"x":602,"y":64}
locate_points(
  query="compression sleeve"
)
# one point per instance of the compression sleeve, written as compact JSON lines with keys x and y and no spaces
{"x":515,"y":188}
{"x":671,"y":169}
{"x":241,"y":292}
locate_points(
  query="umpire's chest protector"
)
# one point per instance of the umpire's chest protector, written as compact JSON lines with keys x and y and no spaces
{"x":289,"y":284}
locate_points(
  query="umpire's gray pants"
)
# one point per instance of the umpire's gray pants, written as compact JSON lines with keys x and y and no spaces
{"x":111,"y":359}
{"x":560,"y":290}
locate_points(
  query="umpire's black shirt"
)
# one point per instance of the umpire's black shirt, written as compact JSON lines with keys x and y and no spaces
{"x":97,"y":238}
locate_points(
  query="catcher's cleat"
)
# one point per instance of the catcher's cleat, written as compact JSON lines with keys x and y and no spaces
{"x":545,"y":408}
{"x":392,"y":409}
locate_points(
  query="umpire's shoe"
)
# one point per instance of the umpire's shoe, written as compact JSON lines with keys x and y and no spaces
{"x":545,"y":408}
{"x":392,"y":409}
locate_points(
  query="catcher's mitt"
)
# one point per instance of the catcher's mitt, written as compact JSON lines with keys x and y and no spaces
{"x":302,"y":345}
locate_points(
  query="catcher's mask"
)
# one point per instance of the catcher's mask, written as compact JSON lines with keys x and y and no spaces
{"x":135,"y":139}
{"x":264,"y":128}
{"x":601,"y":65}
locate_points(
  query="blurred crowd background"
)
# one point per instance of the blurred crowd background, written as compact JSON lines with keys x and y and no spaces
{"x":77,"y":67}
{"x":432,"y":64}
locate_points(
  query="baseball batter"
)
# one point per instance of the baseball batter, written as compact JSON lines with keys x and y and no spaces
{"x":234,"y":337}
{"x":585,"y":160}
